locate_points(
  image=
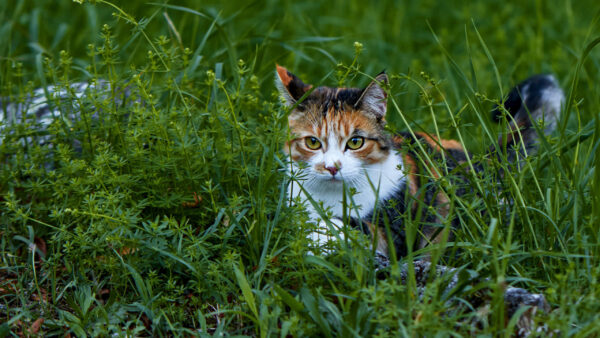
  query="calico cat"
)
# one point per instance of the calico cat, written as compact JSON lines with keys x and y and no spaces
{"x":340,"y":145}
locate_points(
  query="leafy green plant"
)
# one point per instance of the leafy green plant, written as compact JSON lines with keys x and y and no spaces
{"x":155,"y":203}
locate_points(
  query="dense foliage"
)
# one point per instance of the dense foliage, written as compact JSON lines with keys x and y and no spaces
{"x":155,"y":203}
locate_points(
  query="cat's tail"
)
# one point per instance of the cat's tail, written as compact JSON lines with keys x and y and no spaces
{"x":532,"y":107}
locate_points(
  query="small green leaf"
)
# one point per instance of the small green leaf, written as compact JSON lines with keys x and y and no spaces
{"x":246,"y":290}
{"x":289,"y":299}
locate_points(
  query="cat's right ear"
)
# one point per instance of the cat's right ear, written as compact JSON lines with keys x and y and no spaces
{"x":290,"y":86}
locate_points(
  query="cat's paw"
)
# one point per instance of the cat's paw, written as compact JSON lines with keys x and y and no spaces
{"x":324,"y":239}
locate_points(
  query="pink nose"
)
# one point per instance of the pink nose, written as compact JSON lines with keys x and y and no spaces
{"x":332,"y":170}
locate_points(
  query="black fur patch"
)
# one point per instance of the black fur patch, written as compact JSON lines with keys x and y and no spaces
{"x":531,"y":89}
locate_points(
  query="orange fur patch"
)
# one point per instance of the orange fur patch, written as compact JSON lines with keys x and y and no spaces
{"x":411,"y":167}
{"x":369,"y":153}
{"x":435,"y":143}
{"x":283,"y":75}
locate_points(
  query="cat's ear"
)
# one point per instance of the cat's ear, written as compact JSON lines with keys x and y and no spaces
{"x":374,"y":97}
{"x":290,"y":86}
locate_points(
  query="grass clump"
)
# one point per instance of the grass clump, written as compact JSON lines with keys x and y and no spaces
{"x":155,"y":204}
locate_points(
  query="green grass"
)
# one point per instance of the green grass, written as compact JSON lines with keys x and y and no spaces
{"x":110,"y":240}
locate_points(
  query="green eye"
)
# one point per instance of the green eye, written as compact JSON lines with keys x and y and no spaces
{"x":355,"y":143}
{"x":313,"y":143}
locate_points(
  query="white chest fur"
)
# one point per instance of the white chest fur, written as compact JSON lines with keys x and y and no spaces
{"x":372,"y":183}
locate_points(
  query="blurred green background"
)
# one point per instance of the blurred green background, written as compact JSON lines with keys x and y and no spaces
{"x":312,"y":37}
{"x":129,"y":250}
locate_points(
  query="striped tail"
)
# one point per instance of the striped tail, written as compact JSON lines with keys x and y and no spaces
{"x":537,"y":99}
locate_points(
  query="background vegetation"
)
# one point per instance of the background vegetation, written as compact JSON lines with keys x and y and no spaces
{"x":160,"y":207}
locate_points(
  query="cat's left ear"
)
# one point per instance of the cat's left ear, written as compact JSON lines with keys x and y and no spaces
{"x":290,"y":86}
{"x":374,"y":97}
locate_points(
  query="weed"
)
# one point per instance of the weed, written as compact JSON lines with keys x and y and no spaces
{"x":154,"y":203}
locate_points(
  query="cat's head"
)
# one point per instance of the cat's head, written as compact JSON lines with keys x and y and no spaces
{"x":337,"y":132}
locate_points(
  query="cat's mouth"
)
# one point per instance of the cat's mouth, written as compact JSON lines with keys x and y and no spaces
{"x":335,"y":178}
